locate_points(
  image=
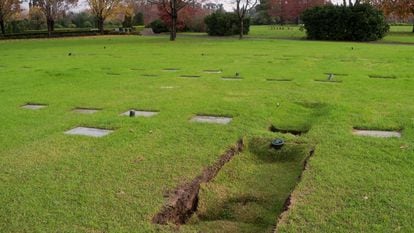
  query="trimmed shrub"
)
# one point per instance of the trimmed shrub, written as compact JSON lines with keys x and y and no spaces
{"x":225,"y":24}
{"x":357,"y":23}
{"x":158,"y":26}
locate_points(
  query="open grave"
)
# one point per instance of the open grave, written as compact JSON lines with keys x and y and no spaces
{"x":257,"y":196}
{"x":140,"y":113}
{"x":90,"y":132}
{"x":212,"y":71}
{"x":190,"y":76}
{"x":376,"y":133}
{"x":33,"y":106}
{"x":212,"y":119}
{"x":87,"y":111}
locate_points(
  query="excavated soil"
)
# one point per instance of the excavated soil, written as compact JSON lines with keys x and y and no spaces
{"x":183,"y":201}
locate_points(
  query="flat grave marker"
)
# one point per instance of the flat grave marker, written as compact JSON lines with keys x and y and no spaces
{"x":212,"y":119}
{"x":376,"y":133}
{"x":86,"y":111}
{"x":212,"y":71}
{"x":32,"y":106}
{"x":90,"y":132}
{"x":140,"y":113}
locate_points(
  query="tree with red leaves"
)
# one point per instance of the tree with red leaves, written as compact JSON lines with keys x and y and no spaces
{"x":283,"y":11}
{"x":171,"y":8}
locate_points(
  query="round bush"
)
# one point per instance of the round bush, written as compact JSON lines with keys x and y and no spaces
{"x":225,"y":24}
{"x":356,"y":23}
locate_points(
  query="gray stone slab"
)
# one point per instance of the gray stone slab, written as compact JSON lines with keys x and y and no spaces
{"x":377,"y":133}
{"x":139,"y":113}
{"x":232,"y":78}
{"x":90,"y":132}
{"x":34,"y":106}
{"x":86,"y":110}
{"x":212,"y":71}
{"x":212,"y":119}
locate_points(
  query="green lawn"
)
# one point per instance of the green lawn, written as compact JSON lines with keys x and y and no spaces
{"x":53,"y":182}
{"x":397,"y":34}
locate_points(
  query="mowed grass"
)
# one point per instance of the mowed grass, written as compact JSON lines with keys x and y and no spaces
{"x":397,"y":34}
{"x":52,"y":182}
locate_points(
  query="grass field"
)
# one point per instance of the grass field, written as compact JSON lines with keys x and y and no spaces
{"x":53,"y":182}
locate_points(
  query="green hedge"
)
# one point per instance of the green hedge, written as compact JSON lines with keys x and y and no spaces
{"x":225,"y":24}
{"x":357,"y":23}
{"x":59,"y":33}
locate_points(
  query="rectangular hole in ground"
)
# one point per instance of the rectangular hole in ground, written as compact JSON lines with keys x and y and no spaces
{"x":34,"y":106}
{"x":140,"y":113}
{"x":212,"y":119}
{"x":376,"y":133}
{"x":251,"y":191}
{"x":86,"y":110}
{"x":88,"y":131}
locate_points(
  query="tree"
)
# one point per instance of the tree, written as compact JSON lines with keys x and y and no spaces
{"x":101,"y":9}
{"x":400,"y":8}
{"x":282,"y":11}
{"x":7,"y":9}
{"x":242,"y":9}
{"x":51,"y":10}
{"x":171,"y":8}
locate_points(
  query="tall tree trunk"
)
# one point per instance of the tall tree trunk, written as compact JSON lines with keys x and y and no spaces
{"x":100,"y":22}
{"x":173,"y":33}
{"x":49,"y":26}
{"x":241,"y":28}
{"x":3,"y":28}
{"x":52,"y":25}
{"x":174,"y":16}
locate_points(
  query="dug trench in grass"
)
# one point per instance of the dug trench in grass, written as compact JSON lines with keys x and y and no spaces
{"x":201,"y":203}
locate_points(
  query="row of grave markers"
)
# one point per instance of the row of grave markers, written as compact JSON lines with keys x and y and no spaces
{"x":96,"y":132}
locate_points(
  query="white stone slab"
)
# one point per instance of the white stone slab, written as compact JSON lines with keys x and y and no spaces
{"x":377,"y":133}
{"x":34,"y":106}
{"x":139,"y":113}
{"x":90,"y":132}
{"x":86,"y":110}
{"x":212,"y":119}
